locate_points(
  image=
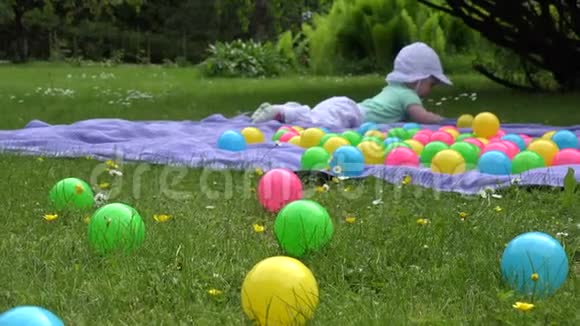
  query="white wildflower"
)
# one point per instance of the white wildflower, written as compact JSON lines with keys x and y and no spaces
{"x":561,"y":234}
{"x":115,"y":173}
{"x":377,"y":201}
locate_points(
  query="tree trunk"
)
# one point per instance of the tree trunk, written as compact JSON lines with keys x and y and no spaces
{"x":261,"y":21}
{"x":21,"y":39}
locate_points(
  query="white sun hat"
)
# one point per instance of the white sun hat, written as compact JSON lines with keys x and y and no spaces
{"x":415,"y":62}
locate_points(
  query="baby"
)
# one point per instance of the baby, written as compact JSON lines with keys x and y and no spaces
{"x":417,"y":70}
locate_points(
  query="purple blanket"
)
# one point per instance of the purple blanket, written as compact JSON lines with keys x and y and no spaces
{"x":193,"y":144}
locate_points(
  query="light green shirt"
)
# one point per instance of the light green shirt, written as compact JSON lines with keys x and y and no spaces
{"x":390,"y":105}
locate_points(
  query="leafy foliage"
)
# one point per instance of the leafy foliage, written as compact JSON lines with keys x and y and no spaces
{"x":244,"y":59}
{"x":543,"y":34}
{"x":365,"y":35}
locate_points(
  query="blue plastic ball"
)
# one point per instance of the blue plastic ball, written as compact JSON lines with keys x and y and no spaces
{"x":326,"y":130}
{"x":516,"y":139}
{"x":411,"y":125}
{"x":30,"y":316}
{"x":232,"y":141}
{"x":539,"y":253}
{"x":392,"y":140}
{"x":366,"y":127}
{"x":565,"y":139}
{"x":347,"y":161}
{"x":494,"y":162}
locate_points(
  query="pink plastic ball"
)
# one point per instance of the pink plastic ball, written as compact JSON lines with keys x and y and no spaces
{"x":442,"y":136}
{"x":423,"y":138}
{"x":475,"y":142}
{"x":498,"y":146}
{"x":402,"y":156}
{"x":568,"y":156}
{"x":287,"y":136}
{"x":513,"y":149}
{"x":277,"y":188}
{"x":494,"y":139}
{"x":500,"y":133}
{"x":425,"y":131}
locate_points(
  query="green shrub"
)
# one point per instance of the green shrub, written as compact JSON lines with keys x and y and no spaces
{"x":365,"y":35}
{"x":244,"y":59}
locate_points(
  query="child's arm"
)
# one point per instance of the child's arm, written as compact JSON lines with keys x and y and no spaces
{"x":419,"y":114}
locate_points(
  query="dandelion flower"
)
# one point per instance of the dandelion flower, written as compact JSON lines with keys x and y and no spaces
{"x":323,"y":188}
{"x":111,"y":164}
{"x":259,"y":171}
{"x":463,"y":215}
{"x":335,"y":180}
{"x":422,"y":221}
{"x":259,"y":228}
{"x":104,"y":185}
{"x":79,"y":189}
{"x":348,"y":189}
{"x":407,"y":180}
{"x":523,"y":306}
{"x":535,"y":277}
{"x":50,"y":217}
{"x":161,"y":218}
{"x":40,"y":159}
{"x":498,"y":209}
{"x":214,"y":292}
{"x":87,"y":219}
{"x":350,"y":219}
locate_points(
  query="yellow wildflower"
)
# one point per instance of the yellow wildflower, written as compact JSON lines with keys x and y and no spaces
{"x":214,"y":292}
{"x":535,"y":277}
{"x":50,"y":217}
{"x":259,"y":228}
{"x":350,"y":219}
{"x":407,"y":180}
{"x":87,"y":219}
{"x":422,"y":221}
{"x":111,"y":164}
{"x":161,"y":217}
{"x":104,"y":185}
{"x":523,"y":306}
{"x":498,"y":209}
{"x":40,"y":159}
{"x":463,"y":215}
{"x":259,"y":171}
{"x":347,"y":189}
{"x":323,"y":188}
{"x":335,"y":180}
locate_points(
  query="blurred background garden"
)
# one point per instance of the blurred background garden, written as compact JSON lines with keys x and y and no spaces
{"x":265,"y":38}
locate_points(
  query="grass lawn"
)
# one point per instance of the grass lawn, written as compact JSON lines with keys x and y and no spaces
{"x":383,"y":269}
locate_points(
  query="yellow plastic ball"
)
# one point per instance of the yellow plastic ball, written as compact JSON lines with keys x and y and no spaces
{"x":375,"y":133}
{"x":465,"y":121}
{"x":485,"y":141}
{"x":253,"y":135}
{"x":311,"y":137}
{"x":298,"y":128}
{"x":452,"y":132}
{"x":295,"y":140}
{"x":416,"y":146}
{"x":279,"y":291}
{"x":448,"y":161}
{"x":485,"y":125}
{"x":333,"y":143}
{"x":548,"y":135}
{"x":372,"y":152}
{"x":547,"y":149}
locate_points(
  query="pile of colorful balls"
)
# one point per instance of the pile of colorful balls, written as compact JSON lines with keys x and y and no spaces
{"x":485,"y":147}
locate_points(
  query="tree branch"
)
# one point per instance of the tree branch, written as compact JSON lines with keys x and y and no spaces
{"x":485,"y":72}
